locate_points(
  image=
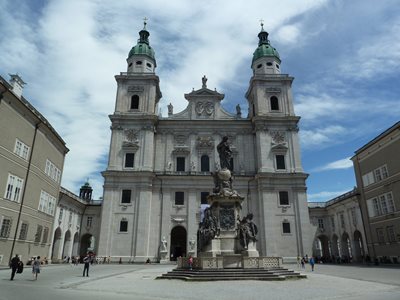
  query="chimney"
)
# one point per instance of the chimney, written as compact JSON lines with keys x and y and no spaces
{"x":17,"y":84}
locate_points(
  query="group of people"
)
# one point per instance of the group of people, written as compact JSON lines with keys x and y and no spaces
{"x":305,"y":260}
{"x":17,"y":266}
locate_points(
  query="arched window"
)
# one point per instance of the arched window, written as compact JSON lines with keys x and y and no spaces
{"x":135,"y":102}
{"x":205,"y":163}
{"x":274,"y":103}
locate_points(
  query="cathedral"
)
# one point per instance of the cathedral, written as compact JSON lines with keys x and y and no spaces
{"x":159,"y":172}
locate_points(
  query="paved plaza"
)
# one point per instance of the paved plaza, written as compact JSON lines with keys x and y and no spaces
{"x":137,"y":282}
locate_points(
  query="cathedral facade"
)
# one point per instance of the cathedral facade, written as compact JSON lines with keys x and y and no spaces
{"x":159,"y":172}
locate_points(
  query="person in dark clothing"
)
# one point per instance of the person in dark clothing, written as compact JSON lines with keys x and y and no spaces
{"x":86,"y":261}
{"x":14,"y":265}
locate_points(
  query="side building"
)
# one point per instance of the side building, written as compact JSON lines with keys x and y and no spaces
{"x":76,"y":225}
{"x":377,"y":171}
{"x":159,"y":169}
{"x":338,"y":229}
{"x":31,"y":164}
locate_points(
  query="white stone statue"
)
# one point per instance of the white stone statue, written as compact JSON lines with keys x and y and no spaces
{"x":164,"y":244}
{"x":192,"y":244}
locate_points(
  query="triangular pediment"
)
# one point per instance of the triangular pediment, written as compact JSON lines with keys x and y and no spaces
{"x":204,"y":92}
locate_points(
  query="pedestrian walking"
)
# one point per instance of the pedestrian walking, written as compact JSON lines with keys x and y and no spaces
{"x":190,"y":262}
{"x":36,"y":267}
{"x":303,"y":262}
{"x":14,"y":265}
{"x":86,"y":261}
{"x":312,"y":263}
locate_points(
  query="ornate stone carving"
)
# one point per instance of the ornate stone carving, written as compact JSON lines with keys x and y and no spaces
{"x":204,"y":108}
{"x":131,"y":135}
{"x":205,"y":142}
{"x":180,"y":139}
{"x":227,"y":217}
{"x":278,"y":137}
{"x":135,"y":88}
{"x":273,"y":90}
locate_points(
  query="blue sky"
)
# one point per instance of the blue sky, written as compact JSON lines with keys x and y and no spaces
{"x":344,"y":55}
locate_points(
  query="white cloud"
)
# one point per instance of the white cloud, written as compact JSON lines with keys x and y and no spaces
{"x":289,"y":34}
{"x":322,"y":137}
{"x":344,"y":163}
{"x":324,"y":196}
{"x":71,"y":50}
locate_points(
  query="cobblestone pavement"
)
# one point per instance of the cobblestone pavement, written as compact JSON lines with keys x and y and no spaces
{"x":137,"y":282}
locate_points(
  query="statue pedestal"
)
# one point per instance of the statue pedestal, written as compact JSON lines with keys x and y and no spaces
{"x":164,"y":257}
{"x":251,"y":250}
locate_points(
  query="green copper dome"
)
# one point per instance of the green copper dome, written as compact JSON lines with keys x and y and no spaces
{"x":143,"y":47}
{"x":264,"y":47}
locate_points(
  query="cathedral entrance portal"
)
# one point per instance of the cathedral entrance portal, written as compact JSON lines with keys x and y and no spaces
{"x":178,"y":242}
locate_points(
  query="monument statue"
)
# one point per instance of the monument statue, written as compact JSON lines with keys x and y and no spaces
{"x":247,"y":230}
{"x":208,"y":229}
{"x":170,"y":109}
{"x":225,"y":153}
{"x":238,"y":110}
{"x":164,"y":244}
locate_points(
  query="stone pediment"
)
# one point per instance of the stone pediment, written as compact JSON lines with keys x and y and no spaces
{"x":279,"y":147}
{"x":204,"y":92}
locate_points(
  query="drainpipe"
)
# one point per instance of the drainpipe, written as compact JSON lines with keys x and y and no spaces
{"x":24,"y":190}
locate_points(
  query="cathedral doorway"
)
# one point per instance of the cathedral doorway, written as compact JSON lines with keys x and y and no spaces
{"x":321,"y":247}
{"x":346,"y":248}
{"x":178,"y":242}
{"x":335,"y":246}
{"x":56,"y":245}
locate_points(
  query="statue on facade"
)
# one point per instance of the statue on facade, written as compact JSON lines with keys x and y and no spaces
{"x":170,"y":109}
{"x":164,"y":244}
{"x":238,"y":110}
{"x":225,"y":153}
{"x":247,"y":230}
{"x":204,"y":81}
{"x":208,"y":229}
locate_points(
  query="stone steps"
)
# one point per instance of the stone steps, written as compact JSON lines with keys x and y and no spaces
{"x":232,"y":274}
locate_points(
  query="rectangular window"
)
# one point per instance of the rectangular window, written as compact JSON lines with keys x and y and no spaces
{"x":38,"y":235}
{"x":47,"y":203}
{"x":342,"y":220}
{"x":123,"y":226}
{"x":286,"y":227}
{"x":5,"y":228}
{"x":378,"y":175}
{"x":21,"y":149}
{"x":179,"y":198}
{"x":70,"y":217}
{"x":380,"y":235}
{"x":283,"y":198}
{"x":24,"y":231}
{"x":391,"y":234}
{"x":13,"y":188}
{"x":385,"y":173}
{"x":126,"y":196}
{"x":377,"y":208}
{"x":368,"y":179}
{"x":60,"y":216}
{"x":129,"y":160}
{"x":180,"y":164}
{"x":321,"y":223}
{"x":45,"y":235}
{"x":89,"y":221}
{"x":353,"y":215}
{"x":333,"y":223}
{"x":203,"y":197}
{"x":383,"y":204}
{"x":280,"y":162}
{"x":52,"y":171}
{"x":390,"y":202}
